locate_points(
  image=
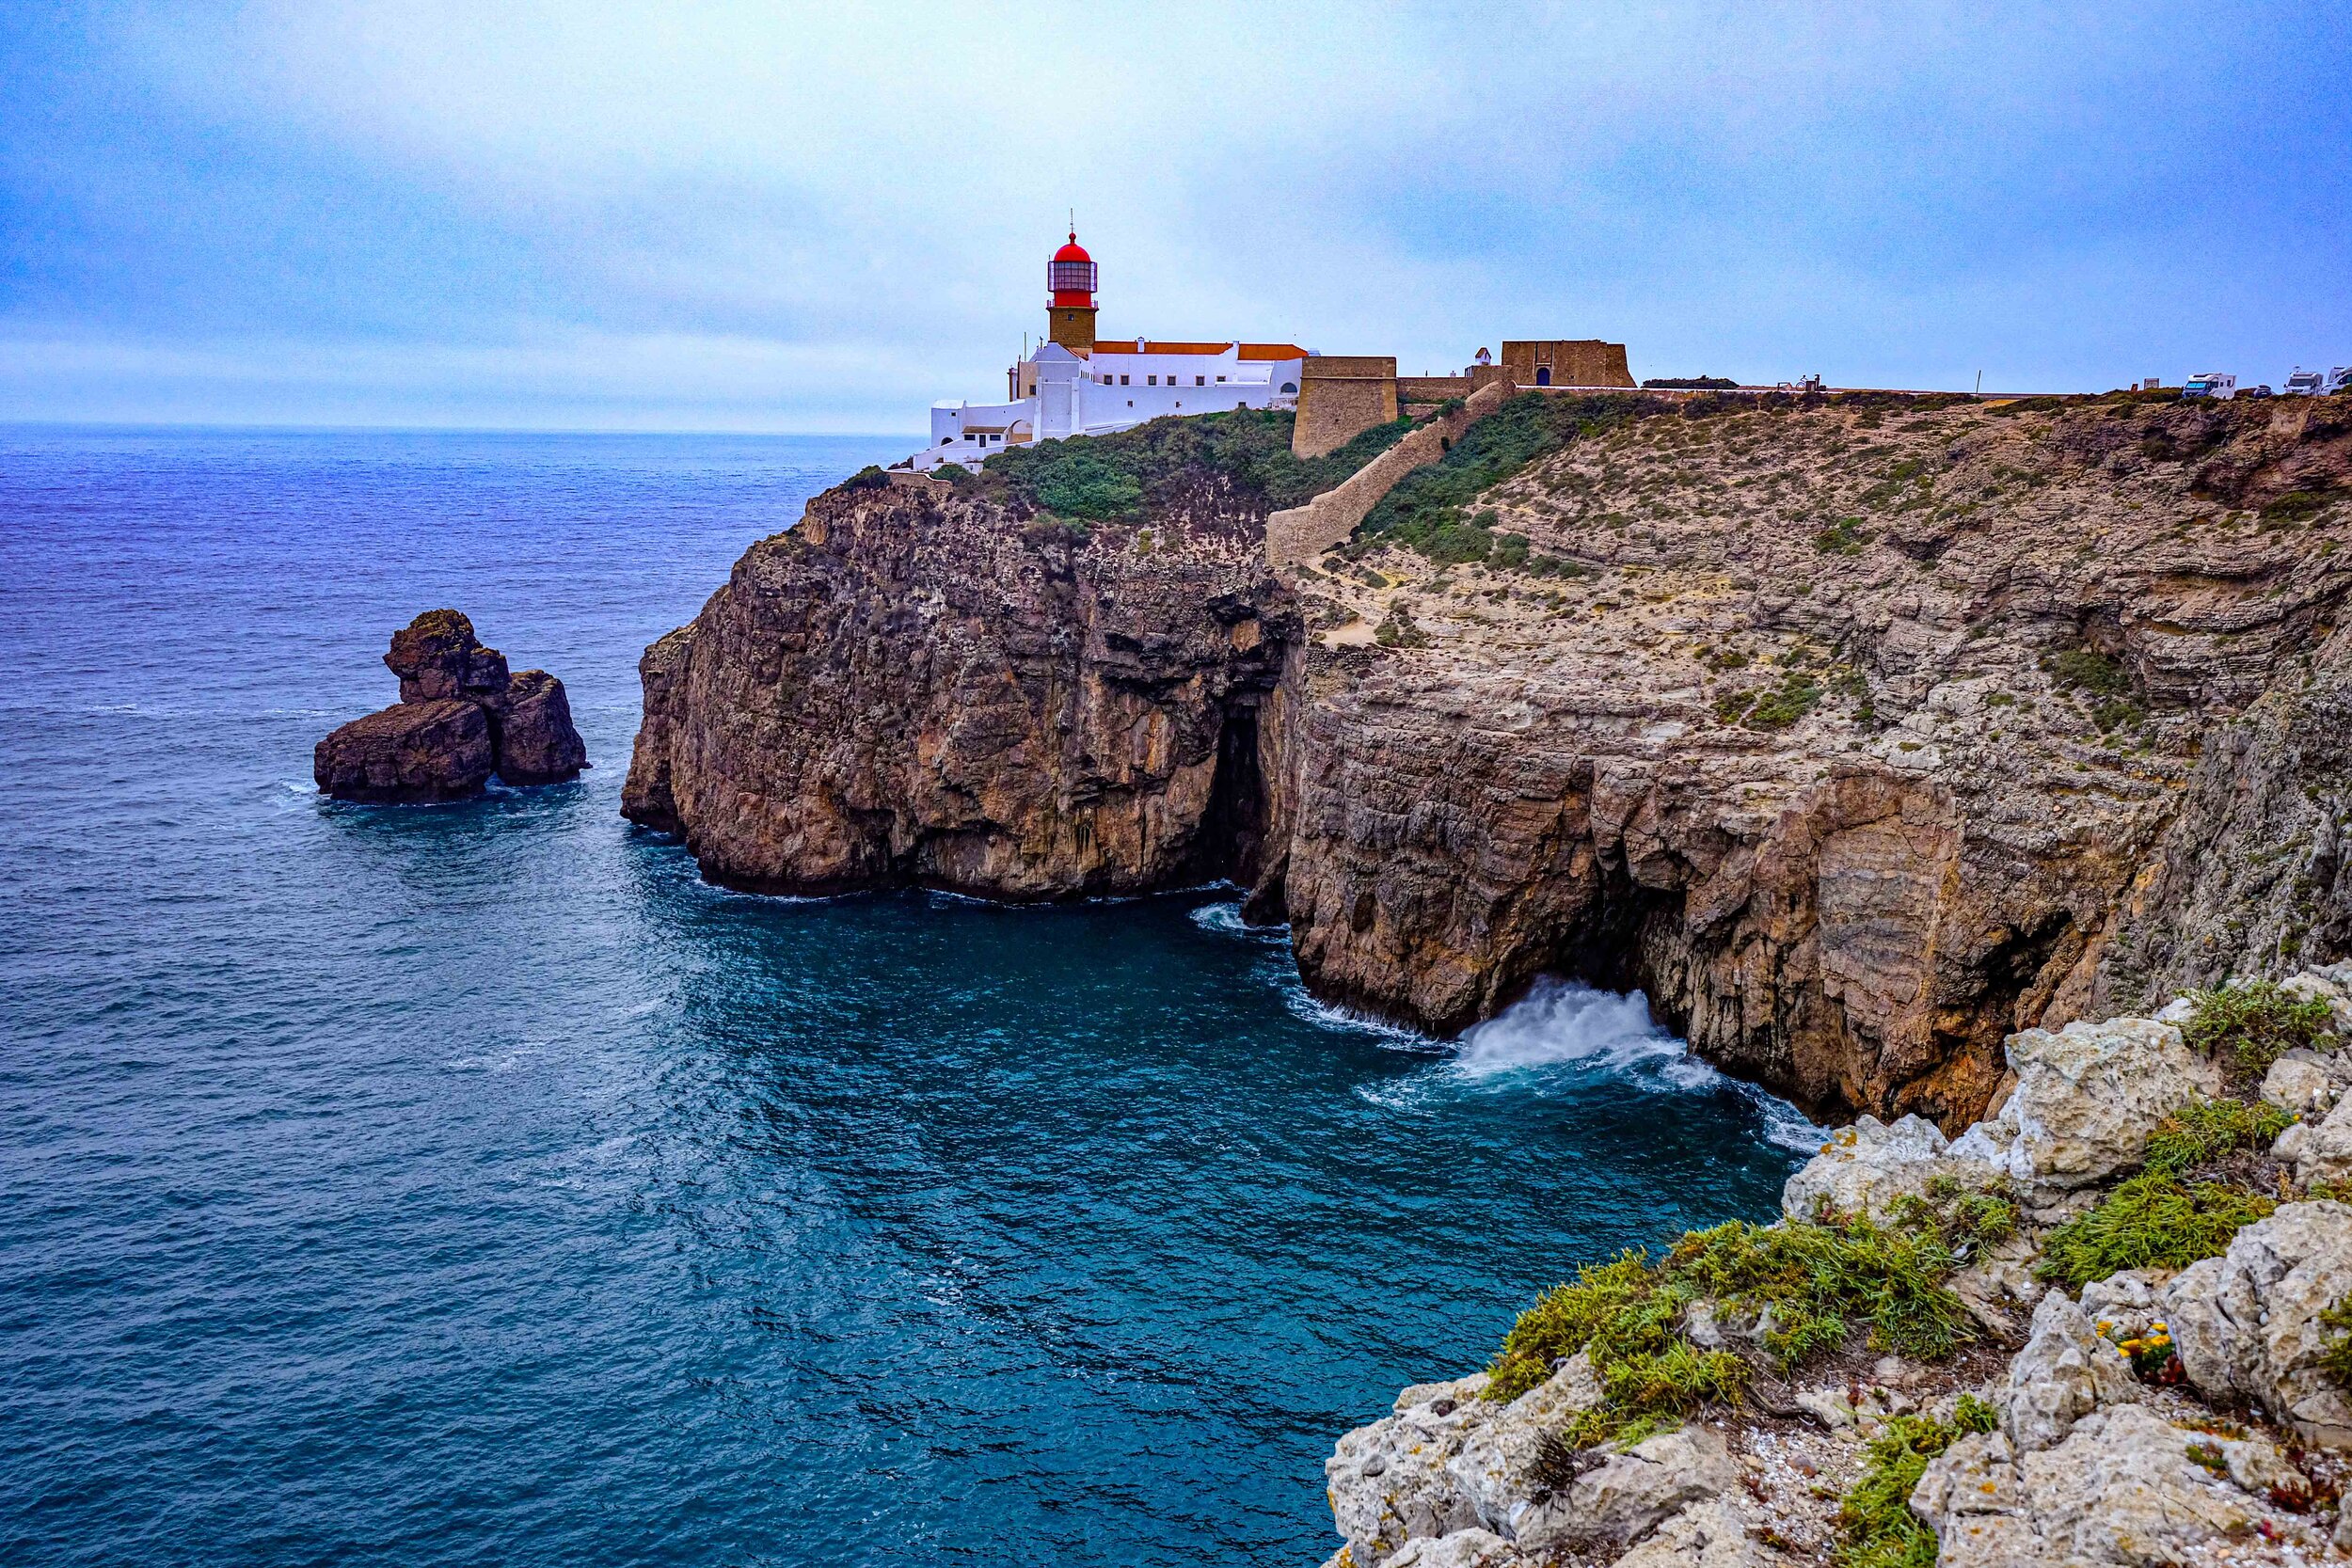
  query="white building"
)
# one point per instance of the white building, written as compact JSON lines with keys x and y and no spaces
{"x":1077,"y":385}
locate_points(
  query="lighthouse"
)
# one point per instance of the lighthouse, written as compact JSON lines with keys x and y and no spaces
{"x":1076,"y":383}
{"x":1069,"y":313}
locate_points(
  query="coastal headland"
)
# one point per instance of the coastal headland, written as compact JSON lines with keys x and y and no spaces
{"x":1858,"y":731}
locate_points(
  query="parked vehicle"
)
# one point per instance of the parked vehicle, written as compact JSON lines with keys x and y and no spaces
{"x":2340,"y":379}
{"x":2210,"y":383}
{"x":2261,"y":391}
{"x":2304,"y":384}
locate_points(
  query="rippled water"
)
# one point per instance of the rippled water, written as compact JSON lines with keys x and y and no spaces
{"x":472,"y":1184}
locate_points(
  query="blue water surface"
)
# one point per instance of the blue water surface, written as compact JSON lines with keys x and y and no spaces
{"x":472,"y":1184}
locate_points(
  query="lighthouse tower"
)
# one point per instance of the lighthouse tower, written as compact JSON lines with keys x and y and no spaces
{"x":1069,"y":314}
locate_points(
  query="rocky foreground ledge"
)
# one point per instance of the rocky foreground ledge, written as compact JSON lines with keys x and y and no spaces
{"x":2111,"y":1326}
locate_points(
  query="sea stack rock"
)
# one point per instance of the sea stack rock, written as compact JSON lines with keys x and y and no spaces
{"x":460,"y":718}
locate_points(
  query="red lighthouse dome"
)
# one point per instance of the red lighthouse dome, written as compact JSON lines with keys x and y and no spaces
{"x":1071,"y":276}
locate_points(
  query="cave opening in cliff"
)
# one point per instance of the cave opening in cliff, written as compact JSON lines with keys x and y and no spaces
{"x":1232,"y":828}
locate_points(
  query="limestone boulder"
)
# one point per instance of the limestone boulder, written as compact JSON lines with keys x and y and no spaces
{"x":2064,"y":1372}
{"x":1464,"y":1548}
{"x":1707,"y":1534}
{"x":1868,"y":1169}
{"x":408,"y":752}
{"x":536,"y":743}
{"x":2246,"y":1325}
{"x":2123,"y":1490}
{"x":2087,"y":1098}
{"x":2322,"y":1152}
{"x":2299,"y":1083}
{"x":1627,"y":1495}
{"x":1495,"y":1465}
{"x":1389,"y":1482}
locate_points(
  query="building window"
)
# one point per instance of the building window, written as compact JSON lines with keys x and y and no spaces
{"x":1122,"y":381}
{"x":1201,"y":381}
{"x":1220,"y":378}
{"x":1131,"y":402}
{"x":1290,"y":386}
{"x":1151,"y":381}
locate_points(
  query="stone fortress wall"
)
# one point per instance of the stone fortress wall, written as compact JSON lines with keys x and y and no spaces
{"x":1339,"y":395}
{"x":1306,"y":531}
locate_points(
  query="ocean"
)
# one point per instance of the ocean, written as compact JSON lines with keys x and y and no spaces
{"x":473,"y":1184}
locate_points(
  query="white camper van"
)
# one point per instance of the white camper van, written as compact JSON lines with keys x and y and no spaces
{"x":2212,"y":384}
{"x":2304,"y":384}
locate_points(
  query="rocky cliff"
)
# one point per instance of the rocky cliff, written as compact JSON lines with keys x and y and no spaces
{"x":1859,"y":733}
{"x":912,"y":686}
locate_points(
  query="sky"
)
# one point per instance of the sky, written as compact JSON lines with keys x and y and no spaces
{"x":682,"y":215}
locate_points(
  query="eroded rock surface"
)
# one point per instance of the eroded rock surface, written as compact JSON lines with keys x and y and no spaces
{"x":1861,"y":740}
{"x":2125,"y":1489}
{"x":437,"y":749}
{"x":461,"y":717}
{"x":909,"y":688}
{"x":2087,"y":1098}
{"x":2247,"y":1326}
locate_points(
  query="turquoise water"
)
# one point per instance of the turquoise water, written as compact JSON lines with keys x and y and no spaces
{"x":473,"y":1184}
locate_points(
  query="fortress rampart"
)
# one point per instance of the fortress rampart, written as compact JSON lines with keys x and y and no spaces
{"x":1306,"y":531}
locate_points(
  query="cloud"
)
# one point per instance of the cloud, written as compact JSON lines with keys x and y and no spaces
{"x":808,"y":215}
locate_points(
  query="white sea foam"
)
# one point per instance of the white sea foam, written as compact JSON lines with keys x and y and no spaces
{"x":1564,"y":1025}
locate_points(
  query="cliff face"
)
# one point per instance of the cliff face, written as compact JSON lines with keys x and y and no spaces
{"x":1859,"y":738}
{"x":911,"y":688}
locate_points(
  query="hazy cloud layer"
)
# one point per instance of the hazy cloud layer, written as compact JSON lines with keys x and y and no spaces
{"x":747,"y":216}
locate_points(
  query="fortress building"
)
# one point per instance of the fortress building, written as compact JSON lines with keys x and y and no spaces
{"x":1077,"y":384}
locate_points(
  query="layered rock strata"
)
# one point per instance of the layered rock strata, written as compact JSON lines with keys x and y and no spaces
{"x":1860,"y":736}
{"x":461,"y":718}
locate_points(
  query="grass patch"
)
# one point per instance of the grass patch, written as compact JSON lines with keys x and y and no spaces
{"x":1815,"y":1282}
{"x":1875,"y":1518}
{"x":2255,"y":1023}
{"x":1123,"y":476}
{"x":1964,"y":1218}
{"x":1429,"y":509}
{"x":2206,"y":1130}
{"x":2336,"y":1358}
{"x":2150,"y":1221}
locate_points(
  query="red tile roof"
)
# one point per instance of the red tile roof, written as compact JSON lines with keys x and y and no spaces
{"x":1153,"y":345}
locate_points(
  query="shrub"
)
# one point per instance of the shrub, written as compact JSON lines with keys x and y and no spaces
{"x":1815,"y":1280}
{"x":2256,"y":1021}
{"x":2209,"y":1129}
{"x":2088,"y":670}
{"x":1846,"y":536}
{"x":1087,"y":484}
{"x":1797,"y":694}
{"x":2150,"y":1221}
{"x":954,"y":473}
{"x":1964,"y":1218}
{"x":1875,"y":1518}
{"x":868,"y":477}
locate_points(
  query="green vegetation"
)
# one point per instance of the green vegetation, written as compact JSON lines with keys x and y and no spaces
{"x":954,"y":473}
{"x":2256,"y":1022}
{"x":2296,"y":506}
{"x":2089,"y":669}
{"x":2336,"y":1358}
{"x":1875,"y":1518}
{"x":1119,"y":477}
{"x":2208,"y":1128}
{"x":2150,"y":1221}
{"x":1398,"y":630}
{"x":1962,"y":1217}
{"x":868,"y":477}
{"x":1846,"y":536}
{"x":1429,"y":509}
{"x":1813,"y":1281}
{"x":1773,"y":707}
